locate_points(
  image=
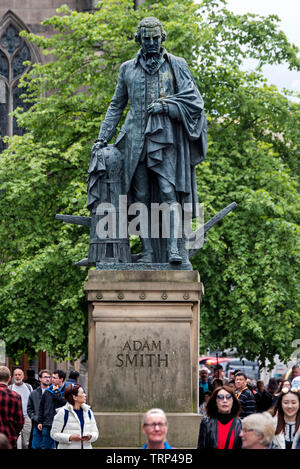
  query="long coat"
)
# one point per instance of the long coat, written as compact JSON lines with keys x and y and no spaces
{"x":188,"y":129}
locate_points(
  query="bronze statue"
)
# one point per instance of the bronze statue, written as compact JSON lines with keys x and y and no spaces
{"x":152,"y":161}
{"x":163,"y":137}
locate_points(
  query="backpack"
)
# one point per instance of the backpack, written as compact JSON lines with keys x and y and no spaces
{"x":66,"y":416}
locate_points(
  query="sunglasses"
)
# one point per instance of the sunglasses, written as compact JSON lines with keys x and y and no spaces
{"x":221,"y":397}
{"x":286,"y":390}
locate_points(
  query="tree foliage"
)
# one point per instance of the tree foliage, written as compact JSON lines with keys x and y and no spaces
{"x":250,"y":264}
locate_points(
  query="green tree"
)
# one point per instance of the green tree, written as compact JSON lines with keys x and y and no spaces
{"x":250,"y":264}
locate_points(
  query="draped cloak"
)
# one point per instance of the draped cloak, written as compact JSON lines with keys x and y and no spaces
{"x":170,"y":145}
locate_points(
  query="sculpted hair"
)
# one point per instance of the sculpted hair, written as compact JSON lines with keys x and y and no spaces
{"x":149,"y":22}
{"x":261,"y":423}
{"x":211,"y":407}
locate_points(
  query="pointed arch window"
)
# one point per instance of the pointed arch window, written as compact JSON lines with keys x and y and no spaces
{"x":14,"y":51}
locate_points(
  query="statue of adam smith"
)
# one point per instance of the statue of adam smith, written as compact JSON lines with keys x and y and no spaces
{"x":164,"y":134}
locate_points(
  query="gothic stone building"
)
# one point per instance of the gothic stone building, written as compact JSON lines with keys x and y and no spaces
{"x":15,"y":16}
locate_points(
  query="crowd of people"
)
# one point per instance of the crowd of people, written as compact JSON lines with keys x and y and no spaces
{"x":241,"y":413}
{"x":39,"y":415}
{"x":237,"y":413}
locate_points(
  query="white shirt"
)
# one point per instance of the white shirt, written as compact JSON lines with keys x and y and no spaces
{"x":24,"y":391}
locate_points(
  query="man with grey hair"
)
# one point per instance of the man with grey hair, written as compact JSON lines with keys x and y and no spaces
{"x":161,"y":141}
{"x":258,"y":431}
{"x":11,"y":414}
{"x":24,"y":390}
{"x":155,"y":428}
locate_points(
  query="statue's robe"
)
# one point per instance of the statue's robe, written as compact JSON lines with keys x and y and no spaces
{"x":177,"y":87}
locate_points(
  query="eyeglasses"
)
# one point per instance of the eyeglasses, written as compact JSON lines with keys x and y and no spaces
{"x":246,"y":430}
{"x":156,"y":424}
{"x":222,"y":397}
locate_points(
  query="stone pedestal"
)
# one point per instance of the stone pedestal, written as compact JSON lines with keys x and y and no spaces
{"x":143,"y":353}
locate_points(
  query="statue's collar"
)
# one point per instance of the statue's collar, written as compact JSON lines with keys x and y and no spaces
{"x":164,"y":55}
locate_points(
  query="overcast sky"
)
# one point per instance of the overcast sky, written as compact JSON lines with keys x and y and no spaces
{"x":289,"y":13}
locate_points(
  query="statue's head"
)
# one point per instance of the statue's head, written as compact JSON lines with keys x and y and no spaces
{"x":150,"y":34}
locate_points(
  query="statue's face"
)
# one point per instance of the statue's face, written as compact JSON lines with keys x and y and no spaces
{"x":151,"y":40}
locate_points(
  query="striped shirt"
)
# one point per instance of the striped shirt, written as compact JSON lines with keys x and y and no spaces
{"x":247,"y":401}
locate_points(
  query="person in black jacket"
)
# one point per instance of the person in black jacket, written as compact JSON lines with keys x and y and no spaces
{"x":34,"y":383}
{"x":222,"y":427}
{"x":263,"y":398}
{"x":33,"y":405}
{"x":52,"y":398}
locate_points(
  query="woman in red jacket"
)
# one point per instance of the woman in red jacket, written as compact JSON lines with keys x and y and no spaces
{"x":222,"y":427}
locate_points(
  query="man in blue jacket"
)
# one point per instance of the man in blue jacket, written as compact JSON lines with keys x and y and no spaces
{"x":52,"y":398}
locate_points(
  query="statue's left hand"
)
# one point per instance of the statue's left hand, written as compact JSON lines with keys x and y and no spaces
{"x":98,"y":145}
{"x":155,"y":108}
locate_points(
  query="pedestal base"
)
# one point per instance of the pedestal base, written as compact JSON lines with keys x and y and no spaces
{"x":143,"y":352}
{"x":124,"y":430}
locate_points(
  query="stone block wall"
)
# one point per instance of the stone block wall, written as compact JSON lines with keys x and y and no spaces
{"x":33,"y":12}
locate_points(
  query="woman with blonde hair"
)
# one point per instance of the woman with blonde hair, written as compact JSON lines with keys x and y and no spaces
{"x":155,"y":428}
{"x":258,"y":431}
